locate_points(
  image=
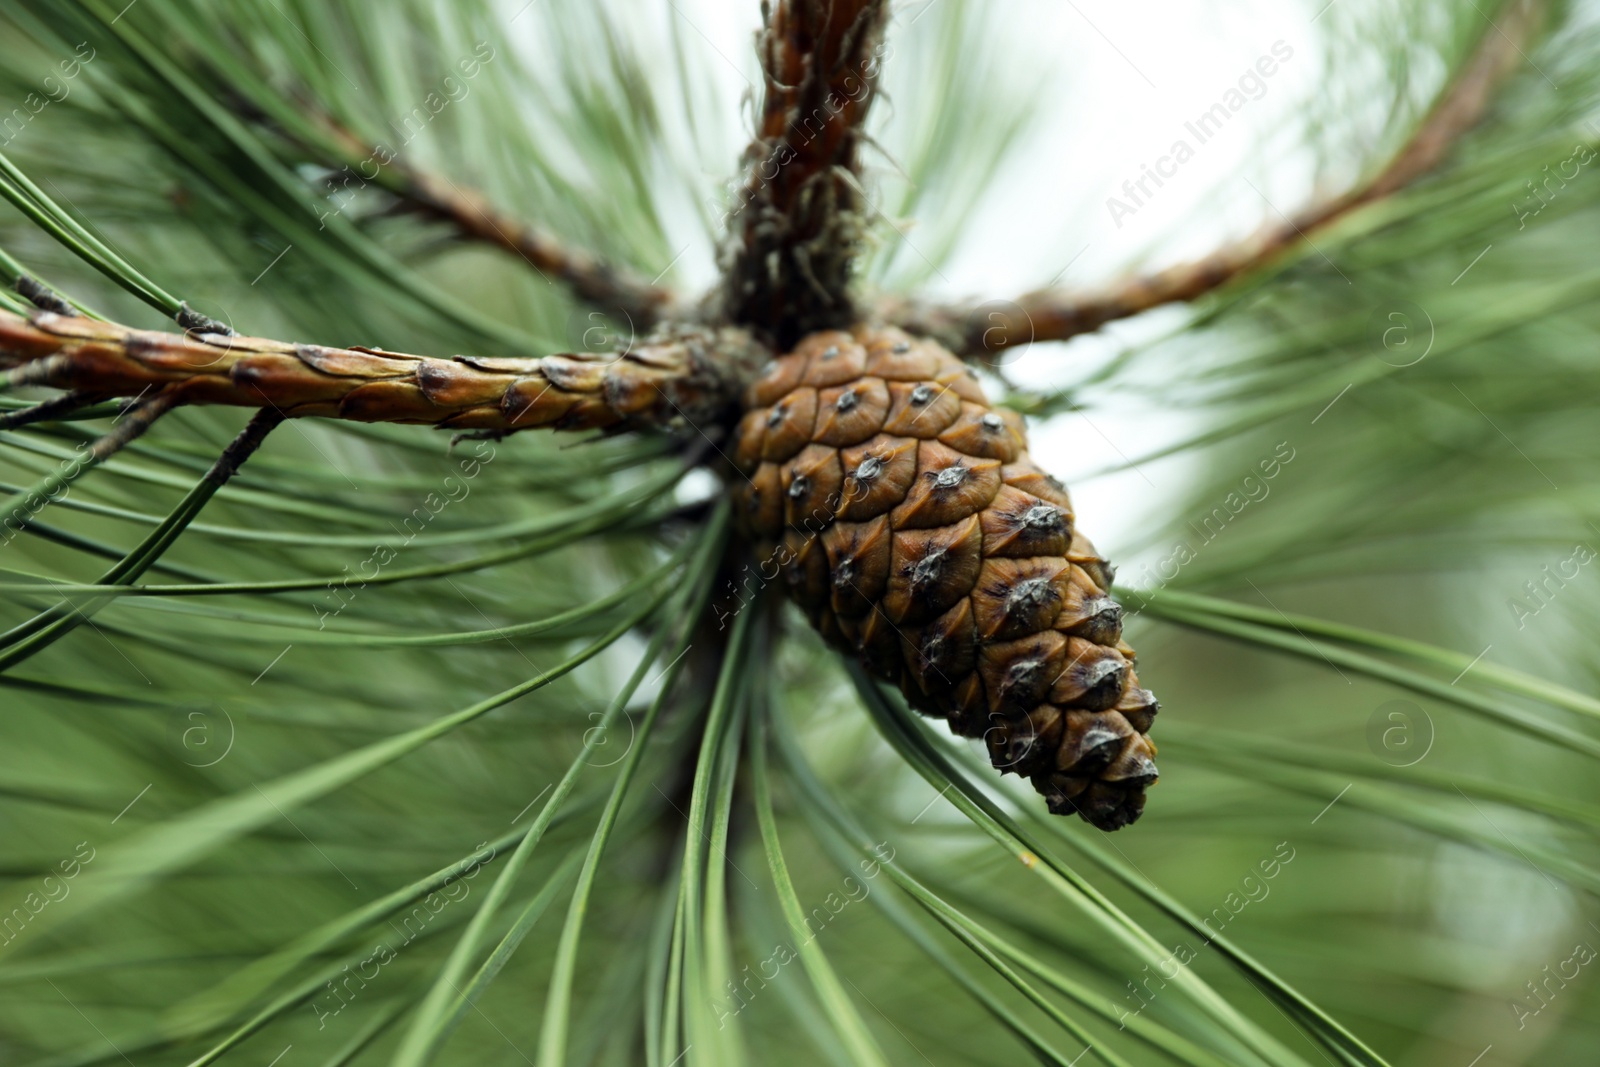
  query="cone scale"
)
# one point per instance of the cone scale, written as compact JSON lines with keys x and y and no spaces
{"x":909,"y":523}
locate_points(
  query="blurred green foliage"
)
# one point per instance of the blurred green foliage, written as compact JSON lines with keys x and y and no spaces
{"x":406,"y":752}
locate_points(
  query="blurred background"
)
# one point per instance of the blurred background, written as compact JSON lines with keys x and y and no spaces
{"x":1352,"y":497}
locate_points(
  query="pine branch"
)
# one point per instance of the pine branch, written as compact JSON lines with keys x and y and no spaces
{"x":593,"y":280}
{"x":1059,"y":314}
{"x":798,"y":221}
{"x":687,"y":375}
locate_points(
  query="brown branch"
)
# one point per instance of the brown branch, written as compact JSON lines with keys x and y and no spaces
{"x":243,"y":446}
{"x":1058,"y":314}
{"x":54,"y":408}
{"x":610,"y":287}
{"x":691,"y":375}
{"x":593,"y":280}
{"x":794,"y":231}
{"x":131,"y":425}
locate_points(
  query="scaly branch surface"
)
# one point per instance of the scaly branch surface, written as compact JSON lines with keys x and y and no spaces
{"x":798,"y":219}
{"x":1059,"y":314}
{"x":686,"y":375}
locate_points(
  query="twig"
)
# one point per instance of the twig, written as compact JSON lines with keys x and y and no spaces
{"x":18,"y":512}
{"x":1058,"y":314}
{"x":244,"y":446}
{"x":132,"y":424}
{"x":593,"y":280}
{"x":42,"y":296}
{"x":45,"y":410}
{"x":798,"y":220}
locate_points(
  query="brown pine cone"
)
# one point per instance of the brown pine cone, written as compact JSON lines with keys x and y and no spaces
{"x":908,"y":521}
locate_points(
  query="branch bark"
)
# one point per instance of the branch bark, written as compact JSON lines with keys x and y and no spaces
{"x":797,"y":224}
{"x":1059,"y":314}
{"x":687,"y":376}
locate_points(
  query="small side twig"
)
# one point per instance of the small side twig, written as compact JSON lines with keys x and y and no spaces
{"x":42,"y":296}
{"x":132,"y":424}
{"x":45,"y":410}
{"x":20,"y":510}
{"x":1059,"y":314}
{"x":244,"y":446}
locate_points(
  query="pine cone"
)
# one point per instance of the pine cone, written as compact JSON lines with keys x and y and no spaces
{"x":908,"y":521}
